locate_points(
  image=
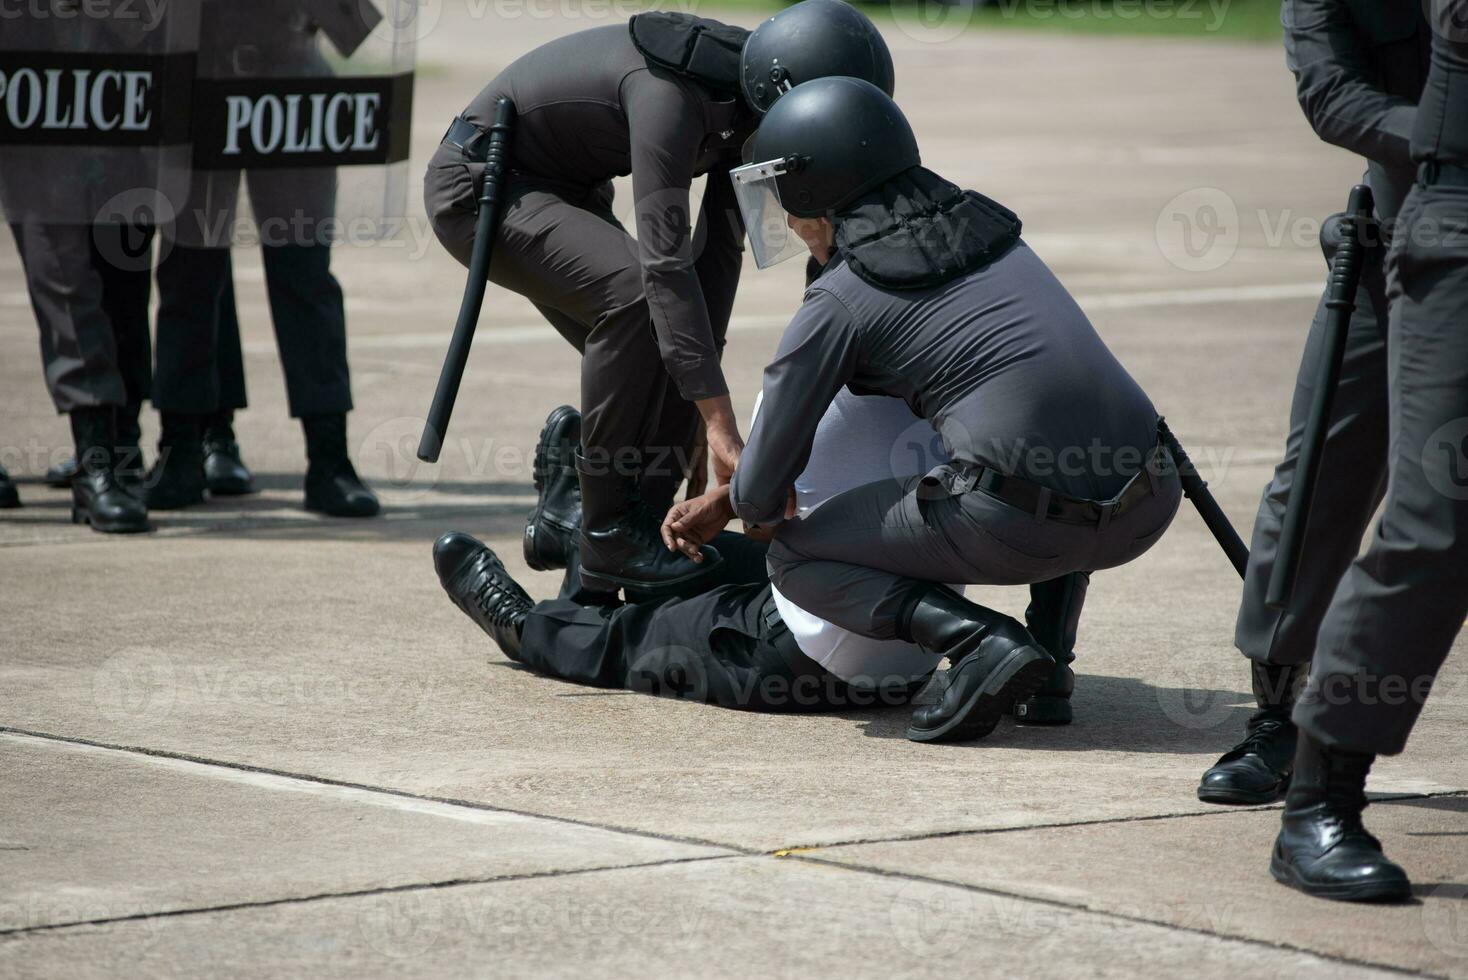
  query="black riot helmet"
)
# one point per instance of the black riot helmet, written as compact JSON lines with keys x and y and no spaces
{"x":812,"y":39}
{"x":833,"y":139}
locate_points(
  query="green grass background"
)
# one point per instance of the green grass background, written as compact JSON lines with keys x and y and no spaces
{"x":1250,"y":20}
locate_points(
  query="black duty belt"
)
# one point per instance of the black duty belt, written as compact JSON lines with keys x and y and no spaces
{"x":1433,"y":173}
{"x":1047,"y":504}
{"x":469,"y":138}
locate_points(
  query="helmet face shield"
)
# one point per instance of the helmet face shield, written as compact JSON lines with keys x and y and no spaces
{"x":765,"y":221}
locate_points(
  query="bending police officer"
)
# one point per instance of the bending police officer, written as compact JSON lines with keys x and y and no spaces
{"x":665,"y":99}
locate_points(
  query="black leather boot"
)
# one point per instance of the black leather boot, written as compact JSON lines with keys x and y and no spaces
{"x":621,"y":547}
{"x":995,"y":663}
{"x":1257,"y":770}
{"x":332,"y":484}
{"x":131,"y":467}
{"x":1323,"y":849}
{"x":177,"y":478}
{"x":9,"y":495}
{"x":61,"y":475}
{"x":225,"y":472}
{"x":98,"y":497}
{"x":556,"y":521}
{"x":477,"y":582}
{"x":1053,"y":617}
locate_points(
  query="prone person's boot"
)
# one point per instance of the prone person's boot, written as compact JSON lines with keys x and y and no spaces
{"x":621,"y":547}
{"x":994,"y":663}
{"x":1258,"y":769}
{"x":224,"y":471}
{"x":477,"y":582}
{"x":1053,"y":617}
{"x":98,"y":497}
{"x":332,"y":484}
{"x":9,"y":494}
{"x":550,"y":534}
{"x":1323,"y":849}
{"x":177,"y":478}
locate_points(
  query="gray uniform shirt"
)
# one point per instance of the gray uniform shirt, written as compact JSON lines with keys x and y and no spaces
{"x":1359,"y":67}
{"x":590,"y":108}
{"x":1001,"y":362}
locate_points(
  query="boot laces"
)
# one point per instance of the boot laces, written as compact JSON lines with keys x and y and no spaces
{"x":496,"y":601}
{"x":1262,"y":732}
{"x":1345,"y":799}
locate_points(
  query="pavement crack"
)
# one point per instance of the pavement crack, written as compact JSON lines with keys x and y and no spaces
{"x":422,"y":886}
{"x":1109,"y":914}
{"x":370,"y":788}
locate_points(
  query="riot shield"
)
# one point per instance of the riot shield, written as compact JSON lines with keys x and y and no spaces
{"x":94,"y":110}
{"x":311,"y":101}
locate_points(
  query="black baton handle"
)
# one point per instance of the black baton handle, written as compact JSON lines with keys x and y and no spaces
{"x":1195,"y":488}
{"x":1340,"y":303}
{"x":485,"y":230}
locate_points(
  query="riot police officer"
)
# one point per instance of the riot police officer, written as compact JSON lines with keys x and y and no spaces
{"x":1359,"y":66}
{"x":1400,"y":605}
{"x":928,"y":293}
{"x":664,"y":99}
{"x":82,"y":200}
{"x":199,"y":380}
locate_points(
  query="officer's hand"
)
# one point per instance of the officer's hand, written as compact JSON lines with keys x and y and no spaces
{"x":692,"y":523}
{"x":722,"y":433}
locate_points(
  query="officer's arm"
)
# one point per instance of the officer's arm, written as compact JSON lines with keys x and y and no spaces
{"x":1333,"y":84}
{"x":721,"y":237}
{"x":817,"y":355}
{"x":666,"y":127}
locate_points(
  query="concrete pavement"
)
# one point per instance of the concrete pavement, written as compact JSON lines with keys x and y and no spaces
{"x":261,"y":742}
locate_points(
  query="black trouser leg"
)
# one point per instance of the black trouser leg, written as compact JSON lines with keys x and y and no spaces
{"x":716,"y":648}
{"x":230,"y":356}
{"x":1352,"y":481}
{"x":1400,"y":606}
{"x":307,"y":310}
{"x":126,"y":291}
{"x":191,"y":284}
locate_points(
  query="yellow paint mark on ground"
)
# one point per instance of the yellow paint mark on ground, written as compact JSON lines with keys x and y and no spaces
{"x":787,"y":851}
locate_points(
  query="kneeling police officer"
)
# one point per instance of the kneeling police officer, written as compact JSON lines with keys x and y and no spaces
{"x":929,"y":294}
{"x":665,"y":99}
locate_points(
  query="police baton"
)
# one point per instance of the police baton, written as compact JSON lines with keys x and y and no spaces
{"x":1195,"y":488}
{"x":1340,"y":302}
{"x":457,"y":357}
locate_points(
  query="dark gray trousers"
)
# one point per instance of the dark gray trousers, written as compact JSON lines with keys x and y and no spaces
{"x":200,"y":367}
{"x":89,"y":287}
{"x":854,"y":560}
{"x":1399,"y":606}
{"x":1352,"y":482}
{"x":561,"y":247}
